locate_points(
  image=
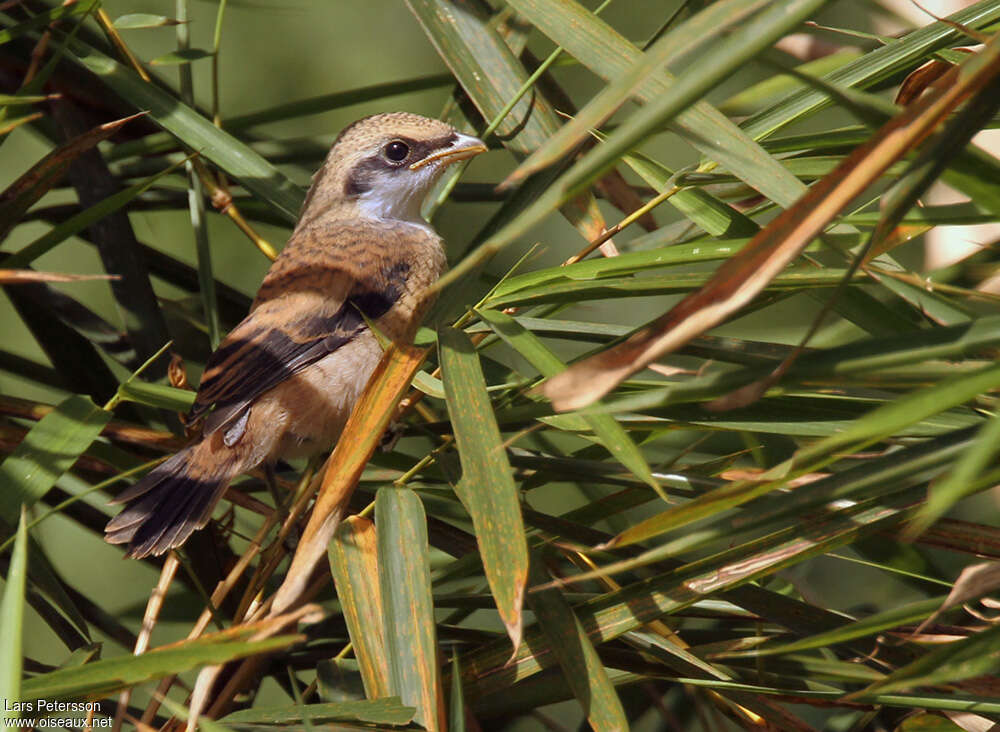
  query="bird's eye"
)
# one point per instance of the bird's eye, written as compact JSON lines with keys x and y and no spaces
{"x":396,"y":151}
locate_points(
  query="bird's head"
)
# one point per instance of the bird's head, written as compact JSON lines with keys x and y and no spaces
{"x":383,"y":166}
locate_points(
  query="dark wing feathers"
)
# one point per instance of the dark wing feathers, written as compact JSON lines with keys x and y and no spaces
{"x":267,"y":347}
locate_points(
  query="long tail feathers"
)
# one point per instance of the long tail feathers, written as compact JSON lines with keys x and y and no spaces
{"x":170,"y":503}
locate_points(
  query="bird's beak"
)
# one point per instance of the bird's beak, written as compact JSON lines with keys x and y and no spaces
{"x":466,"y":146}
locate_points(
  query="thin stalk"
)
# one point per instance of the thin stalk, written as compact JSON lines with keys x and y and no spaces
{"x":196,"y":193}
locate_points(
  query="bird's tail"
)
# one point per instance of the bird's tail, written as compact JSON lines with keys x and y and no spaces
{"x":173,"y":500}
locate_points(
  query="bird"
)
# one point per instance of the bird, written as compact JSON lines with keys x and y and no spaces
{"x":283,"y":382}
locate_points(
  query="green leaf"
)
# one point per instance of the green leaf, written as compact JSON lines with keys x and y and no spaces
{"x":581,"y":665}
{"x":611,"y":434}
{"x":961,"y":479}
{"x":388,"y":710}
{"x":80,"y":221}
{"x":12,"y":620}
{"x":614,"y":613}
{"x":909,"y":614}
{"x":23,"y":193}
{"x":354,"y":563}
{"x":181,"y":56}
{"x":405,"y":580}
{"x":132,"y":21}
{"x":873,"y":67}
{"x":601,"y":49}
{"x":157,"y":395}
{"x":711,"y":214}
{"x":49,"y":449}
{"x":101,"y":678}
{"x":738,"y":47}
{"x":487,"y":488}
{"x":877,"y":425}
{"x":492,"y":76}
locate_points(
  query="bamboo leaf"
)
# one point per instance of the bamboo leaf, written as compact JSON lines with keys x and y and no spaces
{"x":487,"y":487}
{"x":48,"y":451}
{"x":752,"y":35}
{"x":581,"y":665}
{"x":871,"y":428}
{"x":609,"y":55}
{"x":908,"y":614}
{"x":375,"y":711}
{"x":12,"y":619}
{"x":492,"y":76}
{"x":354,"y":563}
{"x":132,"y":21}
{"x":45,"y":18}
{"x":958,"y":482}
{"x":404,"y":577}
{"x":488,"y":669}
{"x":611,"y":434}
{"x":873,"y":67}
{"x":80,"y":221}
{"x":107,"y":676}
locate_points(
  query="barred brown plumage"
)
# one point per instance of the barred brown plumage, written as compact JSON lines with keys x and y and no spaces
{"x":284,"y":380}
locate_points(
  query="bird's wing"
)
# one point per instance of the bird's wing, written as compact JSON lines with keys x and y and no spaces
{"x":281,"y":337}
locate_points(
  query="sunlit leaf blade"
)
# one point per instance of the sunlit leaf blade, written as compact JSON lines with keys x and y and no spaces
{"x":132,"y":21}
{"x":103,"y":677}
{"x":486,"y":68}
{"x":603,"y":50}
{"x":738,"y":280}
{"x":931,"y":163}
{"x":195,"y":132}
{"x":376,"y":711}
{"x":354,"y":563}
{"x":48,"y":451}
{"x":404,"y":576}
{"x":569,"y":291}
{"x":873,"y":67}
{"x":611,"y":434}
{"x":711,"y":214}
{"x":752,"y":99}
{"x":580,"y":663}
{"x":12,"y":619}
{"x":157,"y":395}
{"x":752,"y":35}
{"x":487,"y":486}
